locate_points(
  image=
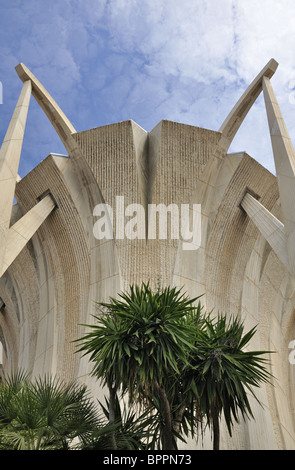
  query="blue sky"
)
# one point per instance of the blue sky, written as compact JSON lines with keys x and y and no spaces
{"x":105,"y":61}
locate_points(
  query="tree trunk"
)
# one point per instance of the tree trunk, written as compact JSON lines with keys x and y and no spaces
{"x":177,"y":423}
{"x":216,"y":430}
{"x":112,"y":414}
{"x":167,"y":440}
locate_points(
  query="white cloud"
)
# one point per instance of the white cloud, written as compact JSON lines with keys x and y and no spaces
{"x":105,"y":61}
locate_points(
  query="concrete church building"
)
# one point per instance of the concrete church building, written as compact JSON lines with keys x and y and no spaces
{"x":53,"y":267}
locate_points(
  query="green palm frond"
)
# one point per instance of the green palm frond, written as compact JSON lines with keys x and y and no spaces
{"x":44,"y":414}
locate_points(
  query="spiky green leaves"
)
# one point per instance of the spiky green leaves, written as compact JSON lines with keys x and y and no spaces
{"x":225,"y":372}
{"x":158,"y":347}
{"x":141,"y":338}
{"x":44,"y":414}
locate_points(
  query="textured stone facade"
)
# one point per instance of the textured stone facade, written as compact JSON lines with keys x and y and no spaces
{"x":242,"y":266}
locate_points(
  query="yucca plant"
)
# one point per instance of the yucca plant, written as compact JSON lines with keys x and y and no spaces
{"x":181,"y":364}
{"x":224,"y":372}
{"x":138,"y":343}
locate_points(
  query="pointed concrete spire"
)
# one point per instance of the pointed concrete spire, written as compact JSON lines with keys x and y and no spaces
{"x":13,"y":239}
{"x":284,"y":157}
{"x":279,"y":234}
{"x":9,"y":162}
{"x":237,"y":115}
{"x":10,"y":155}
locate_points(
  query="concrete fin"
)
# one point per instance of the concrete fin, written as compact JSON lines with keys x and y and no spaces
{"x":22,"y":231}
{"x":269,"y":226}
{"x":147,"y":148}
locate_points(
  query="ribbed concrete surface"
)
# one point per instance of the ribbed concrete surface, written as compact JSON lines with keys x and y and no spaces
{"x":50,"y":288}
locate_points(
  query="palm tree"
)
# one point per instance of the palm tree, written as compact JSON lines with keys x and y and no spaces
{"x":44,"y":414}
{"x":224,"y":372}
{"x":138,"y":343}
{"x":179,"y":364}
